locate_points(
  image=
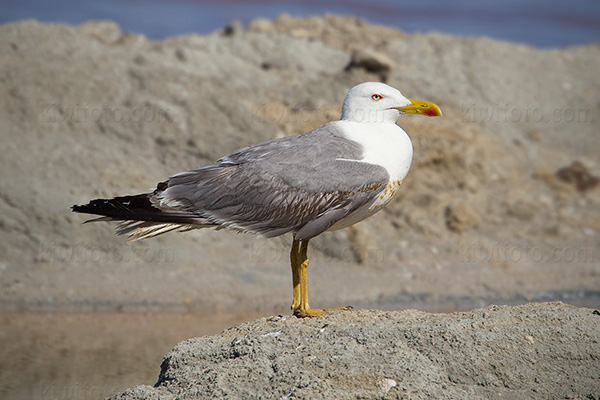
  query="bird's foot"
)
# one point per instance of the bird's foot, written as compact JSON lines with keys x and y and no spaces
{"x":316,"y":312}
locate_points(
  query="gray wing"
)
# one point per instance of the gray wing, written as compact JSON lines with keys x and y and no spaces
{"x":302,"y":183}
{"x":323,"y":143}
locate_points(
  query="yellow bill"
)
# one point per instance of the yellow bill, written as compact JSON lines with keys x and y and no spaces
{"x":421,"y":107}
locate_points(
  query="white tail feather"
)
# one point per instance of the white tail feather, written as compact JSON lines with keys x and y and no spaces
{"x":137,"y":230}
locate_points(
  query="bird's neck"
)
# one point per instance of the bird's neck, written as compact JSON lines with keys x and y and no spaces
{"x":370,"y":116}
{"x":383,"y":144}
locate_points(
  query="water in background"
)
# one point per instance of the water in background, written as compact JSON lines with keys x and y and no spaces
{"x":541,"y":23}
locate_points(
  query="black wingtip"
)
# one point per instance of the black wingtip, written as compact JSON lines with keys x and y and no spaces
{"x":138,"y":207}
{"x":129,"y":208}
{"x":77,"y":208}
{"x":93,"y":207}
{"x":124,"y":207}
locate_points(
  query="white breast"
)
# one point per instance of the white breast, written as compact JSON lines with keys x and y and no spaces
{"x":386,"y":145}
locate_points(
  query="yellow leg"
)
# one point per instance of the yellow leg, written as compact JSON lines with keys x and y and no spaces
{"x":295,"y":275}
{"x":299,"y":259}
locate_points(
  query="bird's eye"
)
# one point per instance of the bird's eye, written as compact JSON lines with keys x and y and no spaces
{"x":377,"y":97}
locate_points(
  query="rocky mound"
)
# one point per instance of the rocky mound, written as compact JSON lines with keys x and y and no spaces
{"x":537,"y":351}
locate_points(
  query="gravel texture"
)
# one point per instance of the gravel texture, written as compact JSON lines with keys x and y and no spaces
{"x":535,"y":351}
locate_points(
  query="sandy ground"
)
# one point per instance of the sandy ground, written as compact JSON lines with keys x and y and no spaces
{"x":501,"y":205}
{"x":74,"y":356}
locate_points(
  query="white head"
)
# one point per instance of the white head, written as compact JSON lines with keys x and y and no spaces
{"x":377,"y":102}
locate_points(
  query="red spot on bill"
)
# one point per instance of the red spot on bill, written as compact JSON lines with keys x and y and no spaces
{"x":431,"y":112}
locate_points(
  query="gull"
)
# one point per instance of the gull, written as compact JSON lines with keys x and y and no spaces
{"x":327,"y":179}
